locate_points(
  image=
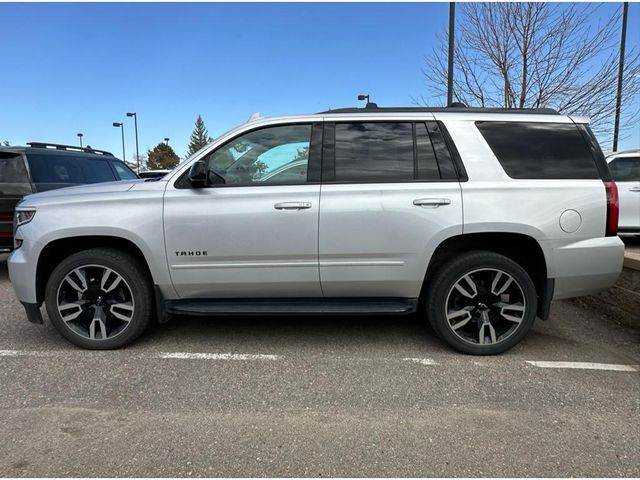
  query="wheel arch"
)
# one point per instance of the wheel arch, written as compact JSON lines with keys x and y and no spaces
{"x":57,"y":250}
{"x":521,"y":248}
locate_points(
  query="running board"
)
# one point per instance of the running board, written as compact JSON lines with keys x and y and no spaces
{"x":293,"y":306}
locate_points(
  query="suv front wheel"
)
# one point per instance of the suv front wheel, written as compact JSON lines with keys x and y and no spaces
{"x":481,"y":303}
{"x":99,"y":299}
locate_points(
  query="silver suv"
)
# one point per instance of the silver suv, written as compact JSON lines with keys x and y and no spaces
{"x":473,"y":218}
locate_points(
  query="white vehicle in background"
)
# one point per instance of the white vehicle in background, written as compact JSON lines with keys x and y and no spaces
{"x":625,"y":170}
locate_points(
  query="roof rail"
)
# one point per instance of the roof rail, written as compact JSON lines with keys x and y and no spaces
{"x":58,"y":146}
{"x":453,"y":109}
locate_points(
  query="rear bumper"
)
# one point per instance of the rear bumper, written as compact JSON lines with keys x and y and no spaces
{"x":586,"y":267}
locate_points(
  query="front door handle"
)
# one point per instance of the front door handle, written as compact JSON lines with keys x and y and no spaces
{"x":634,"y":189}
{"x":292,"y":205}
{"x":431,"y":202}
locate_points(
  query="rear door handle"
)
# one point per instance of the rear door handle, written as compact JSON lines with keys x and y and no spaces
{"x":431,"y":202}
{"x":292,"y":205}
{"x":634,"y":189}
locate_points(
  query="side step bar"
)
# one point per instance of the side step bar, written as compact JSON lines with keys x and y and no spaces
{"x":293,"y":306}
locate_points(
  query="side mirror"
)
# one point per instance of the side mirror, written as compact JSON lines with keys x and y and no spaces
{"x":198,"y":174}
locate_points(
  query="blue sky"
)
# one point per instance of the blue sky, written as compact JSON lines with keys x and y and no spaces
{"x":76,"y":67}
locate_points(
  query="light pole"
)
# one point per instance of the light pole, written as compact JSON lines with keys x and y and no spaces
{"x":623,"y":39}
{"x":121,"y":125}
{"x":452,"y":24}
{"x":80,"y":135}
{"x":166,"y":140}
{"x":135,"y":122}
{"x":364,"y":97}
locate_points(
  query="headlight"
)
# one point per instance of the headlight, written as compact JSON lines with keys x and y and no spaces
{"x":24,"y":216}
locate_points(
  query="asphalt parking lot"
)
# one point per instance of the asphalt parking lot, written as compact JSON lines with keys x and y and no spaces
{"x":319,"y":396}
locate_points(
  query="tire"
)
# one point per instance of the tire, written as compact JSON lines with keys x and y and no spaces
{"x":509,"y":313}
{"x":105,"y":296}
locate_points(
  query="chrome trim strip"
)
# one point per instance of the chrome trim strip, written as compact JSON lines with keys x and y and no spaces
{"x":244,"y":265}
{"x":364,"y":263}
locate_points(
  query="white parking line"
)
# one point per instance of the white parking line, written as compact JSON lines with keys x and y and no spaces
{"x":270,"y":357}
{"x":421,"y":361}
{"x":218,"y":356}
{"x":585,"y":366}
{"x":24,"y":353}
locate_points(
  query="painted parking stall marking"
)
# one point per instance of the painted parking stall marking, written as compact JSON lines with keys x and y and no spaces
{"x":218,"y":356}
{"x":227,"y":356}
{"x":27,"y":353}
{"x":161,"y":355}
{"x":421,"y":361}
{"x":585,"y":366}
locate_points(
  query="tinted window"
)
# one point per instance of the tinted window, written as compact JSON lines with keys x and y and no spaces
{"x":540,"y":150}
{"x":73,"y":170}
{"x":12,"y":169}
{"x":447,"y":170}
{"x":123,"y":171}
{"x":625,"y":169}
{"x":269,"y":155}
{"x":374,"y":152}
{"x":427,"y":167}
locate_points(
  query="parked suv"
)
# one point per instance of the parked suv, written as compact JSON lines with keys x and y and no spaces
{"x":474,"y":218}
{"x":625,"y":170}
{"x":41,"y":166}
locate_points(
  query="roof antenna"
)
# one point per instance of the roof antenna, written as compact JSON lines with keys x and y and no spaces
{"x":369,"y":104}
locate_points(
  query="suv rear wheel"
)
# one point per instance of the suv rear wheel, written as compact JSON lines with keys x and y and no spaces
{"x":481,"y":303}
{"x":99,"y":298}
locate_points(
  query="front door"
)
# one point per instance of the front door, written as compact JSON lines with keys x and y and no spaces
{"x":253,"y":230}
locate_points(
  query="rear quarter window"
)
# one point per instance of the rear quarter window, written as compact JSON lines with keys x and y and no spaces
{"x":536,"y":150}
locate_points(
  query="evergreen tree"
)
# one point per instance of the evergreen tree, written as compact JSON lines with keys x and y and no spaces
{"x":199,"y":138}
{"x":161,"y":157}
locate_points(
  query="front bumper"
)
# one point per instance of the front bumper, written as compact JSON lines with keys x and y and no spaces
{"x":23,"y":264}
{"x":586,"y":267}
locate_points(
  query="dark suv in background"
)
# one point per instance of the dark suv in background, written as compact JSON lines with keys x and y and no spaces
{"x":41,"y":166}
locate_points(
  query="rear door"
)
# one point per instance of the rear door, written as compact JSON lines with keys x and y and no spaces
{"x":388,"y":198}
{"x":626,"y":173}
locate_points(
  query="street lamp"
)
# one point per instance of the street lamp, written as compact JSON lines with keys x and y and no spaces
{"x":80,"y":137}
{"x":452,"y":26}
{"x":166,"y":140}
{"x":121,"y":125}
{"x":363,"y":97}
{"x":135,"y":120}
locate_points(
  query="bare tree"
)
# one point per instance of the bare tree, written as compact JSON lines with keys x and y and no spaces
{"x":531,"y":55}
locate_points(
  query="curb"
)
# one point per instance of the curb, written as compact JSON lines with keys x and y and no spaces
{"x":631,"y":261}
{"x":622,"y":301}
